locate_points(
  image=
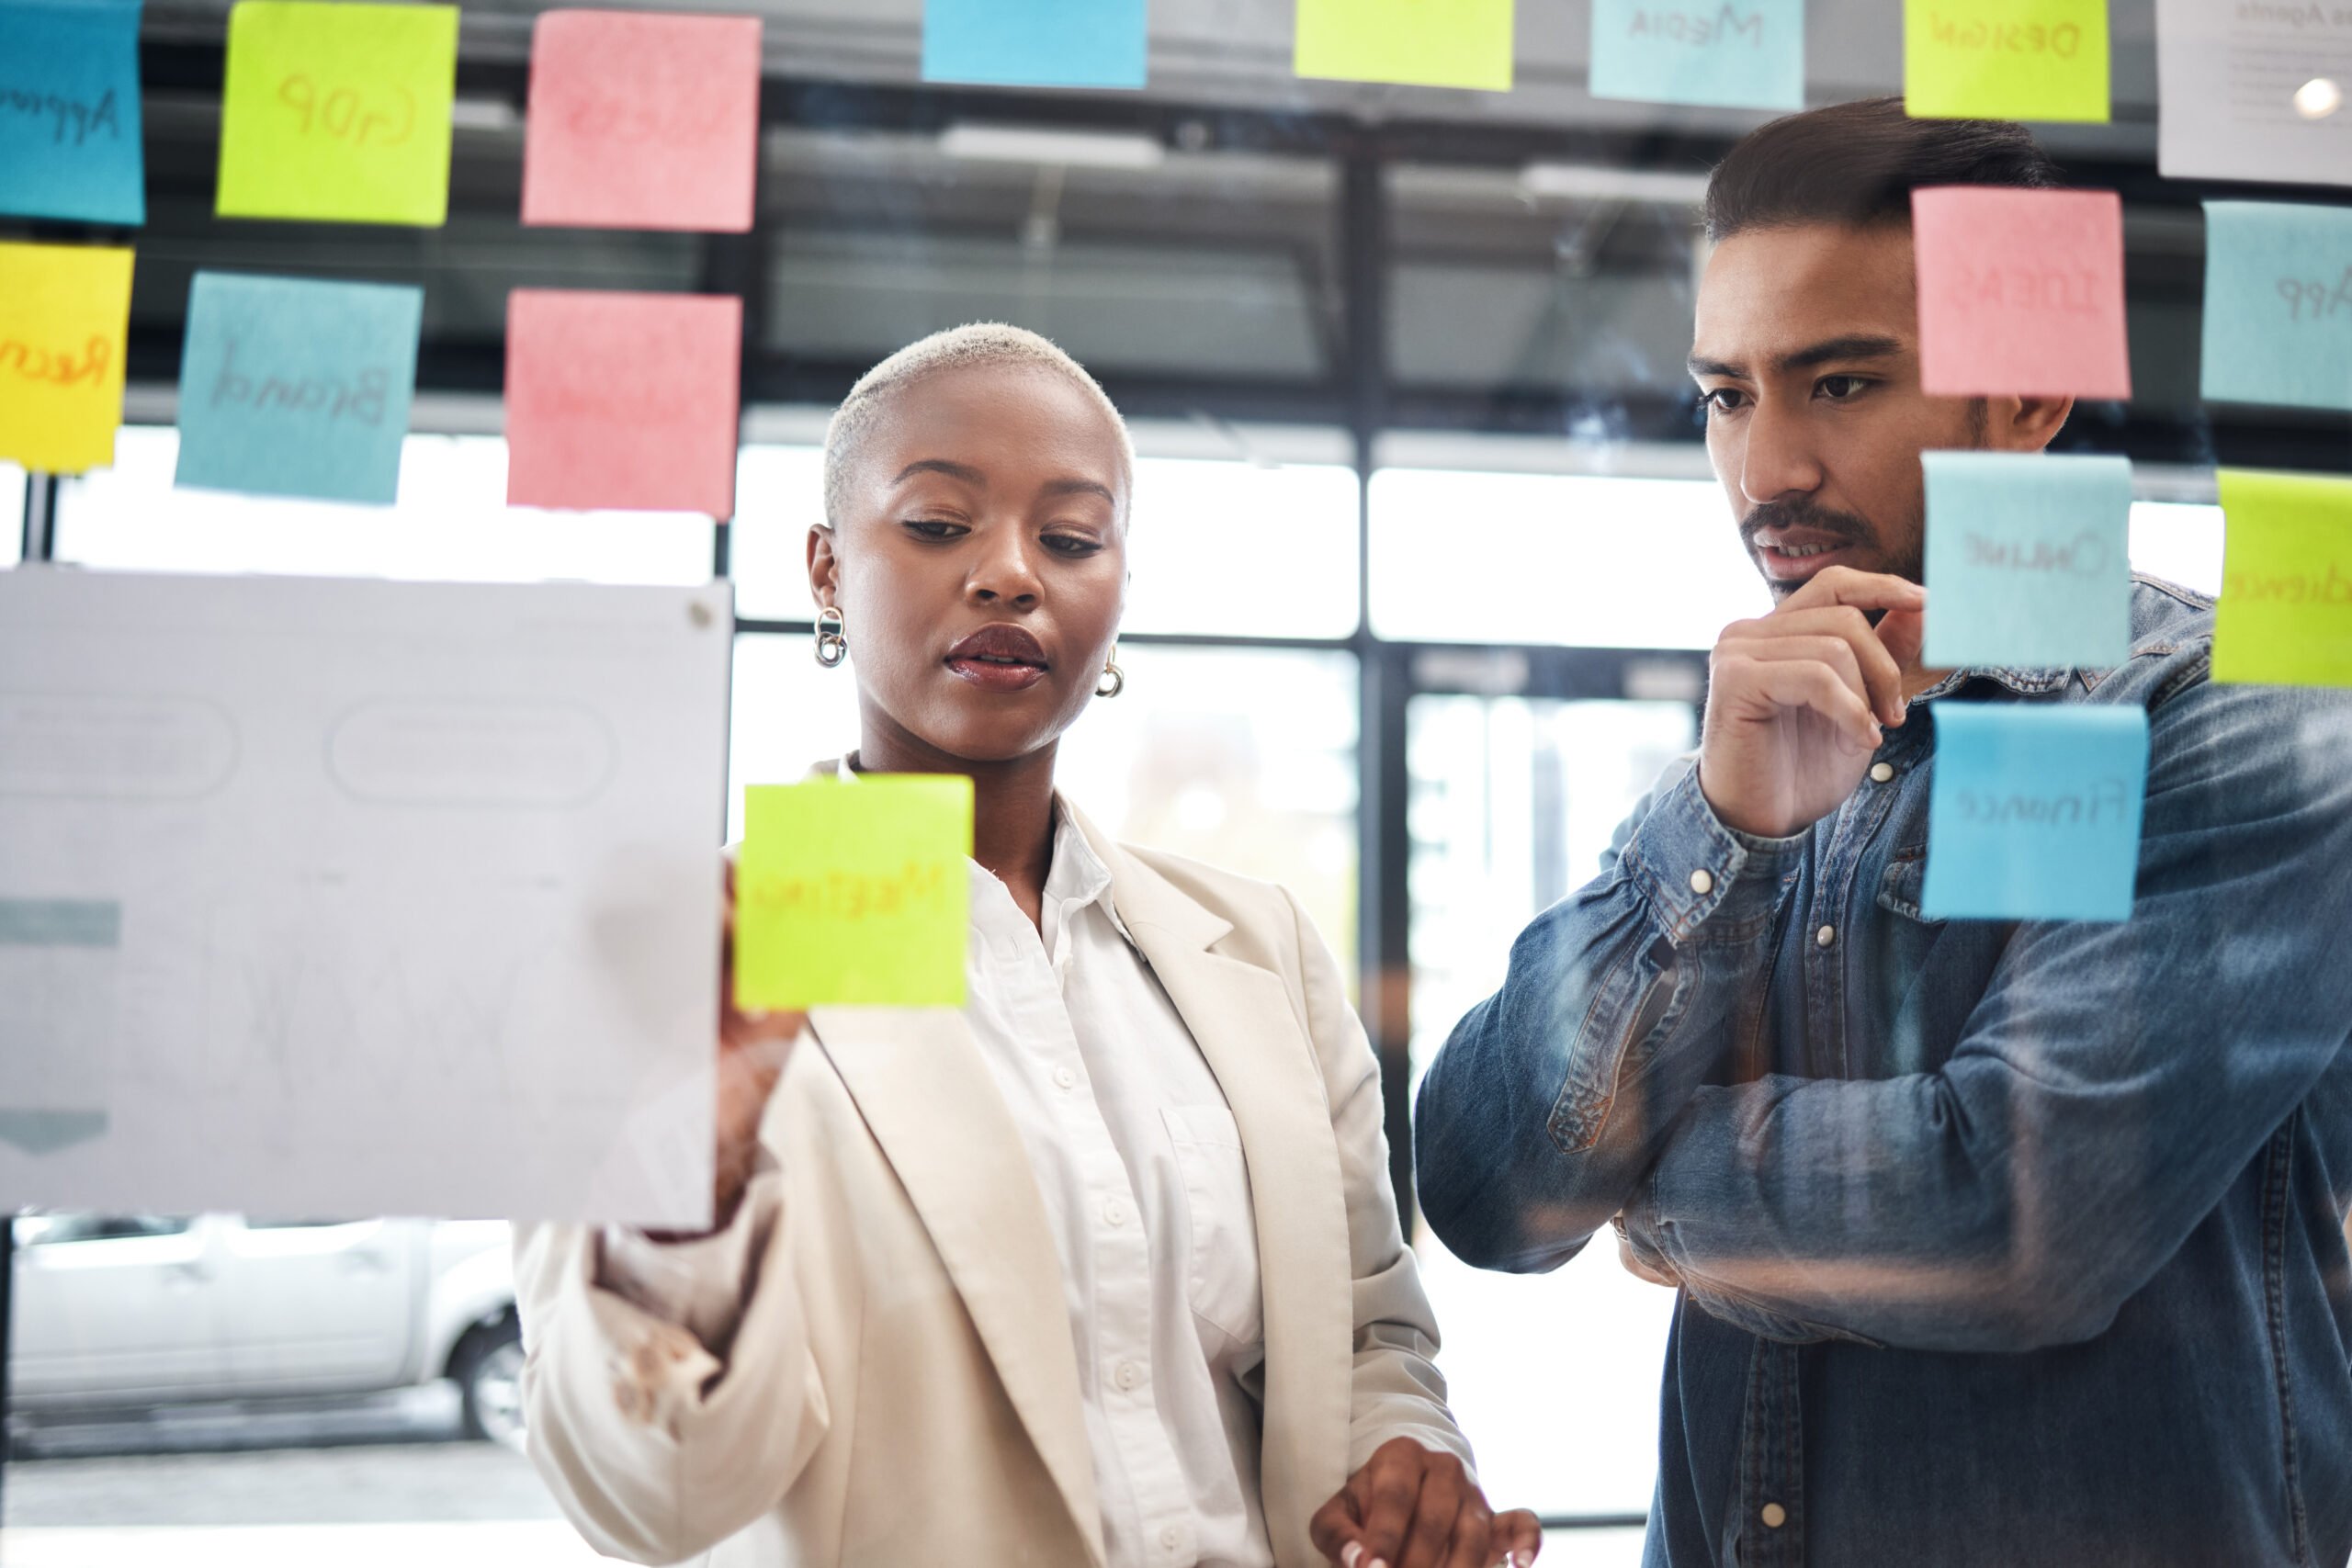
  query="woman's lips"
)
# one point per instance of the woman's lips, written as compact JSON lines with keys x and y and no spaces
{"x":998,"y":657}
{"x":991,"y":676}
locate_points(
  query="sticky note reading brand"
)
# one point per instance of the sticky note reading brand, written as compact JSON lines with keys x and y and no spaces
{"x":2004,"y":59}
{"x":1425,"y":43}
{"x":2021,"y":291}
{"x":2034,"y":811}
{"x":1035,"y":43}
{"x":69,"y":111}
{"x":854,"y":893}
{"x":2285,"y":614}
{"x":338,"y":112}
{"x":2028,"y":560}
{"x":2278,"y":303}
{"x":64,"y":314}
{"x":641,"y":121}
{"x":1740,"y":53}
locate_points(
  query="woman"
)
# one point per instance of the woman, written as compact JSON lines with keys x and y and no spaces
{"x":1103,"y":1268}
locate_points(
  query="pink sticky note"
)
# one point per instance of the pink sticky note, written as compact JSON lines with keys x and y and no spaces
{"x":2020,"y":292}
{"x":622,"y":400}
{"x":642,"y":122}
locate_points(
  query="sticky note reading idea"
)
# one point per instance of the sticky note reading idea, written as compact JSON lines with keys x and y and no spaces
{"x":2034,"y":811}
{"x":2004,"y":59}
{"x":2278,"y":303}
{"x":1423,"y":43}
{"x":2284,"y":617}
{"x":854,"y":893}
{"x":2021,"y":291}
{"x":1736,"y":53}
{"x":338,"y":112}
{"x":2029,"y":560}
{"x":64,"y":314}
{"x":69,"y":111}
{"x":1035,"y":43}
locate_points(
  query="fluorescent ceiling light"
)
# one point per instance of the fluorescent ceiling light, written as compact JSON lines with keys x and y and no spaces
{"x":1035,"y":144}
{"x":1597,"y":182}
{"x":483,"y":114}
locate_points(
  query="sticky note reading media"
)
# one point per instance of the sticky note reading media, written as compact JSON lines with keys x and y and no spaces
{"x":854,"y":893}
{"x":338,"y":112}
{"x":2021,"y":291}
{"x":1743,"y":54}
{"x":69,"y":111}
{"x":64,"y":314}
{"x":2004,"y":59}
{"x":2278,"y":303}
{"x":2284,"y":617}
{"x":1422,"y":43}
{"x":1035,"y":43}
{"x":2033,"y":813}
{"x":2029,"y":560}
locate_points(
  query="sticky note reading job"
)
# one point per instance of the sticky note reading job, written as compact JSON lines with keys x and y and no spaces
{"x":1455,"y":43}
{"x":2028,"y":560}
{"x":1744,"y":54}
{"x":2021,"y":291}
{"x":1035,"y":43}
{"x":2004,"y":59}
{"x":338,"y":112}
{"x":64,"y":314}
{"x":2284,"y":617}
{"x":2278,"y":303}
{"x":854,"y":893}
{"x":2034,"y":811}
{"x":68,"y":110}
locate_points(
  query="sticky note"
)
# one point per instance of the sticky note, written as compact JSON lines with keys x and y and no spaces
{"x":293,"y":387}
{"x":2021,"y":291}
{"x":2029,"y":560}
{"x":69,"y":111}
{"x":2278,"y":303}
{"x":64,"y":314}
{"x":2284,"y":617}
{"x":1423,"y":43}
{"x":1738,"y":53}
{"x":338,"y":112}
{"x":854,"y":893}
{"x":642,"y":122}
{"x":1035,"y":43}
{"x":622,"y":400}
{"x":2033,"y":812}
{"x":2004,"y":59}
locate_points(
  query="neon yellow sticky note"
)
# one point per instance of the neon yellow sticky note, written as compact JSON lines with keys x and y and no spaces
{"x":853,"y":893}
{"x":2004,"y":59}
{"x":2285,"y":614}
{"x":1423,"y":43}
{"x":338,"y":112}
{"x":65,"y":311}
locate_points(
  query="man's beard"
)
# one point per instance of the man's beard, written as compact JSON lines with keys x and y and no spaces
{"x":1850,"y":528}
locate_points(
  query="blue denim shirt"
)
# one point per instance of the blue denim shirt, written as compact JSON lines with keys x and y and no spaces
{"x":1998,"y":1243}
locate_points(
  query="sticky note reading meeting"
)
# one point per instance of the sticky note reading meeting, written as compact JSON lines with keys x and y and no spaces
{"x":2028,"y":560}
{"x":64,"y":315}
{"x":2285,"y":612}
{"x":68,"y":110}
{"x":1738,"y":53}
{"x":2034,"y":811}
{"x":2279,"y":304}
{"x":2021,"y":291}
{"x":2006,"y":59}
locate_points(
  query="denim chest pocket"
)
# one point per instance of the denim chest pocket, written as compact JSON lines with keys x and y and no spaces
{"x":1221,"y":1241}
{"x":1900,"y":885}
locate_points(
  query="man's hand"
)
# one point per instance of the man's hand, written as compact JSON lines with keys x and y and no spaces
{"x":1414,"y":1507}
{"x":1797,"y":699}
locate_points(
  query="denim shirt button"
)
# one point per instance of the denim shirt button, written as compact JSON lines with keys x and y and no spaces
{"x":1702,"y":882}
{"x":1881,"y":771}
{"x":1774,"y":1515}
{"x":1826,"y":937}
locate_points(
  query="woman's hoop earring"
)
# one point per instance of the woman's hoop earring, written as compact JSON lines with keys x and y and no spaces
{"x":1113,"y":680}
{"x":832,"y":644}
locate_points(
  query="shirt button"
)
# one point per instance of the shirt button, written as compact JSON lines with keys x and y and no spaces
{"x":1115,"y":1213}
{"x":1065,"y":1079}
{"x":1774,"y":1515}
{"x":1128,"y":1376}
{"x":1881,"y":771}
{"x":1703,"y":882}
{"x":1826,"y":937}
{"x":1171,"y":1538}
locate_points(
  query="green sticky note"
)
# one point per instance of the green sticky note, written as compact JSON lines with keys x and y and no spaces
{"x":338,"y":112}
{"x":854,"y":893}
{"x":2004,"y":59}
{"x":1423,"y":43}
{"x":2278,"y":304}
{"x":2285,"y":614}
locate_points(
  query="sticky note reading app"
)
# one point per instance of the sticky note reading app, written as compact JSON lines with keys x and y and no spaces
{"x":64,"y":315}
{"x":2284,"y":617}
{"x":69,"y":111}
{"x":338,"y":112}
{"x":854,"y":893}
{"x":2029,"y":560}
{"x":2034,"y":811}
{"x":2004,"y":59}
{"x":1424,"y":43}
{"x":2021,"y":291}
{"x":1741,"y":54}
{"x":1035,"y":43}
{"x":2278,"y":303}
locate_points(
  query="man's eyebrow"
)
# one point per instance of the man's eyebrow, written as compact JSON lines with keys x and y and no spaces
{"x":1853,"y":346}
{"x":953,"y":471}
{"x":1700,"y":365}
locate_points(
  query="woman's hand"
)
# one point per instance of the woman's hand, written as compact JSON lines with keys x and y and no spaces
{"x":1415,"y":1507}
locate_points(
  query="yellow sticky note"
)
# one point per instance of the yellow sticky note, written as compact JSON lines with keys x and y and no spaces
{"x":65,"y":311}
{"x":854,"y":893}
{"x":2285,"y":614}
{"x":1425,"y":43}
{"x":2004,"y":59}
{"x":338,"y":112}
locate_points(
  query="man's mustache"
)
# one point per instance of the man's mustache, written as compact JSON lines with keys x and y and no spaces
{"x":1804,"y":514}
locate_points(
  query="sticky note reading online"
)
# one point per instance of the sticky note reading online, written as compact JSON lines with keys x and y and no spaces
{"x":2004,"y":59}
{"x":2021,"y":291}
{"x":338,"y":112}
{"x":1736,"y":53}
{"x":2029,"y":560}
{"x":64,"y":315}
{"x":1035,"y":43}
{"x":2033,"y":813}
{"x":69,"y":111}
{"x":2278,"y":303}
{"x":2284,"y":617}
{"x":1454,"y":43}
{"x":854,"y":893}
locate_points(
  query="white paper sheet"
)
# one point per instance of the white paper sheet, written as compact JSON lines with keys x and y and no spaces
{"x":2229,"y":73}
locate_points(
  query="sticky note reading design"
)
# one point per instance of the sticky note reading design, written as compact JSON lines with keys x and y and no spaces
{"x":293,"y":387}
{"x":2004,"y":59}
{"x":68,"y":110}
{"x":338,"y":112}
{"x":64,"y":314}
{"x":641,"y":121}
{"x":2029,"y":560}
{"x":854,"y":893}
{"x":2284,"y":617}
{"x":1035,"y":43}
{"x":2034,"y":811}
{"x":2278,"y":303}
{"x":2021,"y":291}
{"x":1738,"y":53}
{"x":1425,"y":43}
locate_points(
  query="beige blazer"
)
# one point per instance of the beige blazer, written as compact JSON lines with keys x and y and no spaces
{"x":900,"y":1388}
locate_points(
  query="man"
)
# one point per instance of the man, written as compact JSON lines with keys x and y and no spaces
{"x":1997,"y":1243}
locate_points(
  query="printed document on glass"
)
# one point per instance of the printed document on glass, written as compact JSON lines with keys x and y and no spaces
{"x":2251,"y":91}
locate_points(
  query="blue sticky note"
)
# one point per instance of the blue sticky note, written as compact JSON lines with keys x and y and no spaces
{"x":1740,"y":53}
{"x":1035,"y":43}
{"x":2034,"y":811}
{"x":2279,"y":304}
{"x":69,"y":111}
{"x":293,"y":387}
{"x":2029,"y":562}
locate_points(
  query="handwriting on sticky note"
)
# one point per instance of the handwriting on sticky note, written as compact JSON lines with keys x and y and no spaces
{"x":2021,"y":291}
{"x":1742,"y":53}
{"x":1036,"y":43}
{"x":70,"y":110}
{"x":2006,"y":59}
{"x":2034,"y":811}
{"x":2285,"y":612}
{"x":2277,"y":322}
{"x":384,"y":116}
{"x":1460,"y":44}
{"x":2028,"y":560}
{"x":64,"y":314}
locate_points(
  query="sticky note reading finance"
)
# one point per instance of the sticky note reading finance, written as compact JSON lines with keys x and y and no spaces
{"x":1423,"y":43}
{"x":338,"y":112}
{"x":2029,"y":560}
{"x":64,"y":315}
{"x":2020,"y":292}
{"x":1035,"y":43}
{"x":2284,"y":617}
{"x":2278,"y":303}
{"x":2033,"y":813}
{"x":854,"y":893}
{"x":69,"y":111}
{"x":1736,"y":53}
{"x":2004,"y":59}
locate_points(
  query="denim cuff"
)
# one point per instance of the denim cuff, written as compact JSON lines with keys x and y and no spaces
{"x":1697,"y":872}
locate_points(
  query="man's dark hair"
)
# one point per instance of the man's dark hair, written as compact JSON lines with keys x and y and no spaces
{"x":1858,"y":163}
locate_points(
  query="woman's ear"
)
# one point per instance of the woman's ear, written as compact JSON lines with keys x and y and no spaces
{"x":824,"y":566}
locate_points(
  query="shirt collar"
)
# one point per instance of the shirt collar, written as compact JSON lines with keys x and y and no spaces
{"x":2025,"y":682}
